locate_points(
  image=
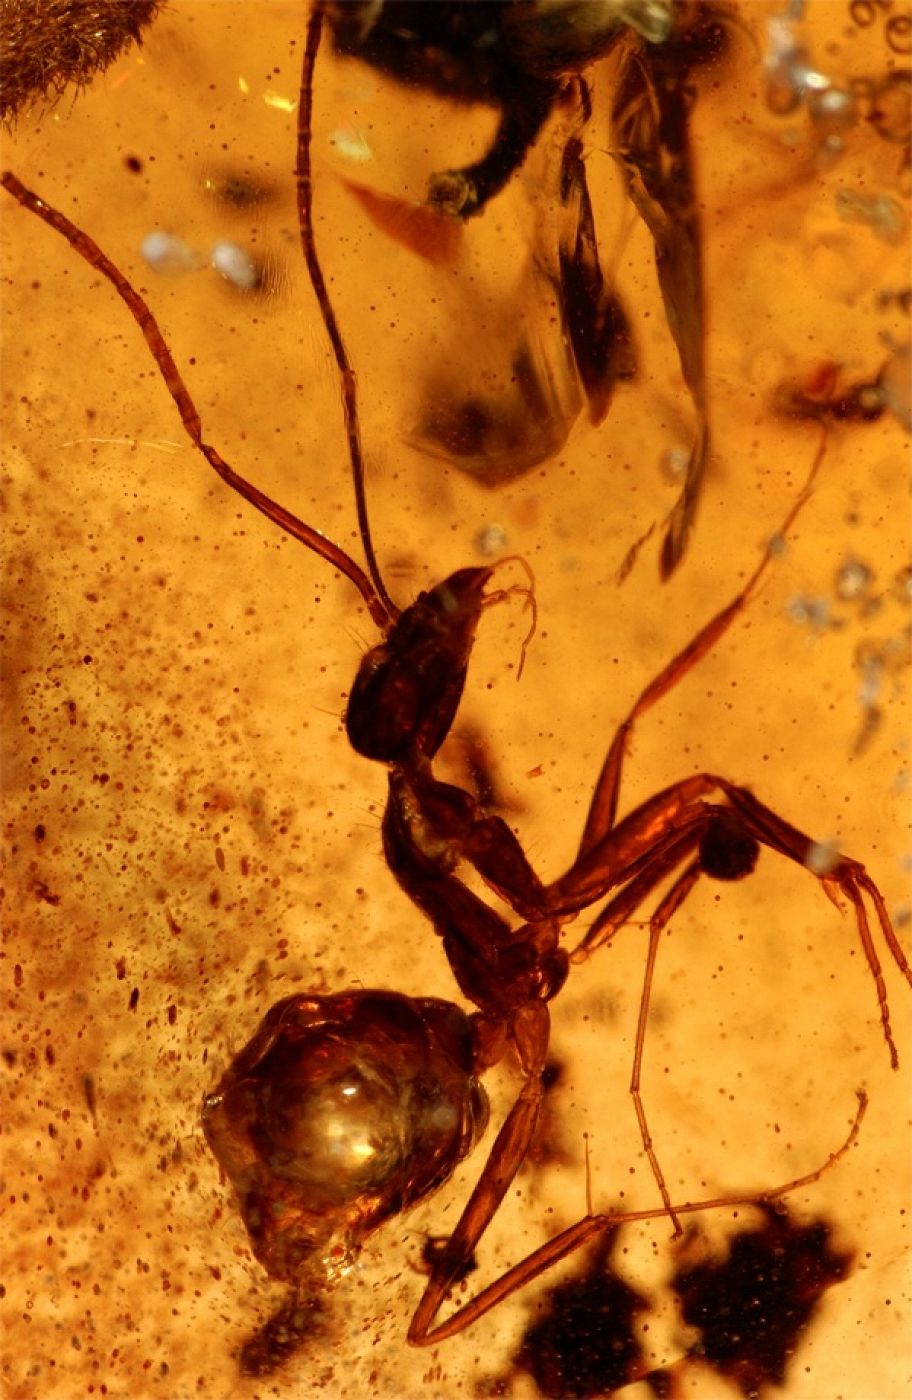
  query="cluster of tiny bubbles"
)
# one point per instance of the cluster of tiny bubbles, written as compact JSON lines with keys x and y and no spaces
{"x":886,"y":657}
{"x":814,"y":613}
{"x":792,"y":80}
{"x":170,"y":256}
{"x":877,"y":661}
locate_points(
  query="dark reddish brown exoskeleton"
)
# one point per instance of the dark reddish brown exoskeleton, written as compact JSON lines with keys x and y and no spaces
{"x":345,"y":1109}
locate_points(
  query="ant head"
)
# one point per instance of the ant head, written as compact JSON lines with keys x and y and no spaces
{"x":407,"y":690}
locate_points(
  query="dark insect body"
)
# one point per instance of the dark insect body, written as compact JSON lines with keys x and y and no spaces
{"x":55,"y":45}
{"x":752,"y":1307}
{"x":748,"y":1309}
{"x":525,"y":58}
{"x":345,"y":1109}
{"x":584,"y":1343}
{"x":822,"y":396}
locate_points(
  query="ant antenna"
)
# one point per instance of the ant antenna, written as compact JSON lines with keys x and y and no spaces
{"x":90,"y":252}
{"x":304,"y":177}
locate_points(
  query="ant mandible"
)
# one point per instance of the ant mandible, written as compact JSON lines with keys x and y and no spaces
{"x":343,"y":1110}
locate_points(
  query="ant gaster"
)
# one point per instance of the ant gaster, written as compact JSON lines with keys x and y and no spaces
{"x":344,"y":1109}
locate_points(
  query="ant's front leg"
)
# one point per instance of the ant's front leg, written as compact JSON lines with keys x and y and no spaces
{"x":448,"y":820}
{"x":603,"y":808}
{"x":497,"y":967}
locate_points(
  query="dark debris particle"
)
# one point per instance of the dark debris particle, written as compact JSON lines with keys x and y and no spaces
{"x":297,"y":1321}
{"x":435,"y":1251}
{"x":585,"y":1345}
{"x":662,"y":1384}
{"x":753,"y":1307}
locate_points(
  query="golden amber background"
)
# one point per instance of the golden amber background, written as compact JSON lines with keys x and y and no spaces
{"x":175,"y":674}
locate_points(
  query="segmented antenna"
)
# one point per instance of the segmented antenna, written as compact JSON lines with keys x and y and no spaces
{"x":304,"y":177}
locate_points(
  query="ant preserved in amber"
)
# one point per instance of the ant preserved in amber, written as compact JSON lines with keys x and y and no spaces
{"x":435,"y":1052}
{"x":345,"y":1109}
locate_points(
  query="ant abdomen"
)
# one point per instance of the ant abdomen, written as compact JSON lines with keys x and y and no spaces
{"x":340,"y":1112}
{"x":407,"y":690}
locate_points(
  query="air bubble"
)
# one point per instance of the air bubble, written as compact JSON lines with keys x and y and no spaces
{"x":811,"y":612}
{"x":853,"y":579}
{"x":674,"y":464}
{"x":168,"y":255}
{"x":822,"y":857}
{"x":235,"y":264}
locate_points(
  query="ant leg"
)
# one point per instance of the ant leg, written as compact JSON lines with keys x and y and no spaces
{"x":610,"y":919}
{"x":603,"y":808}
{"x":465,"y":192}
{"x":588,"y":1228}
{"x":672,"y":901}
{"x":844,"y":875}
{"x":496,"y":967}
{"x":529,"y":1030}
{"x":621,"y":908}
{"x":637,"y":844}
{"x":641,"y":842}
{"x":727,"y":852}
{"x":439,"y":813}
{"x":139,"y":309}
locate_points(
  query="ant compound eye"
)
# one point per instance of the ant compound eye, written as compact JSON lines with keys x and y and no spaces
{"x":727,"y":850}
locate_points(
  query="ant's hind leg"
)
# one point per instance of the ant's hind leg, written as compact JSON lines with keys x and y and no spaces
{"x":422,"y":1332}
{"x":657,"y":924}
